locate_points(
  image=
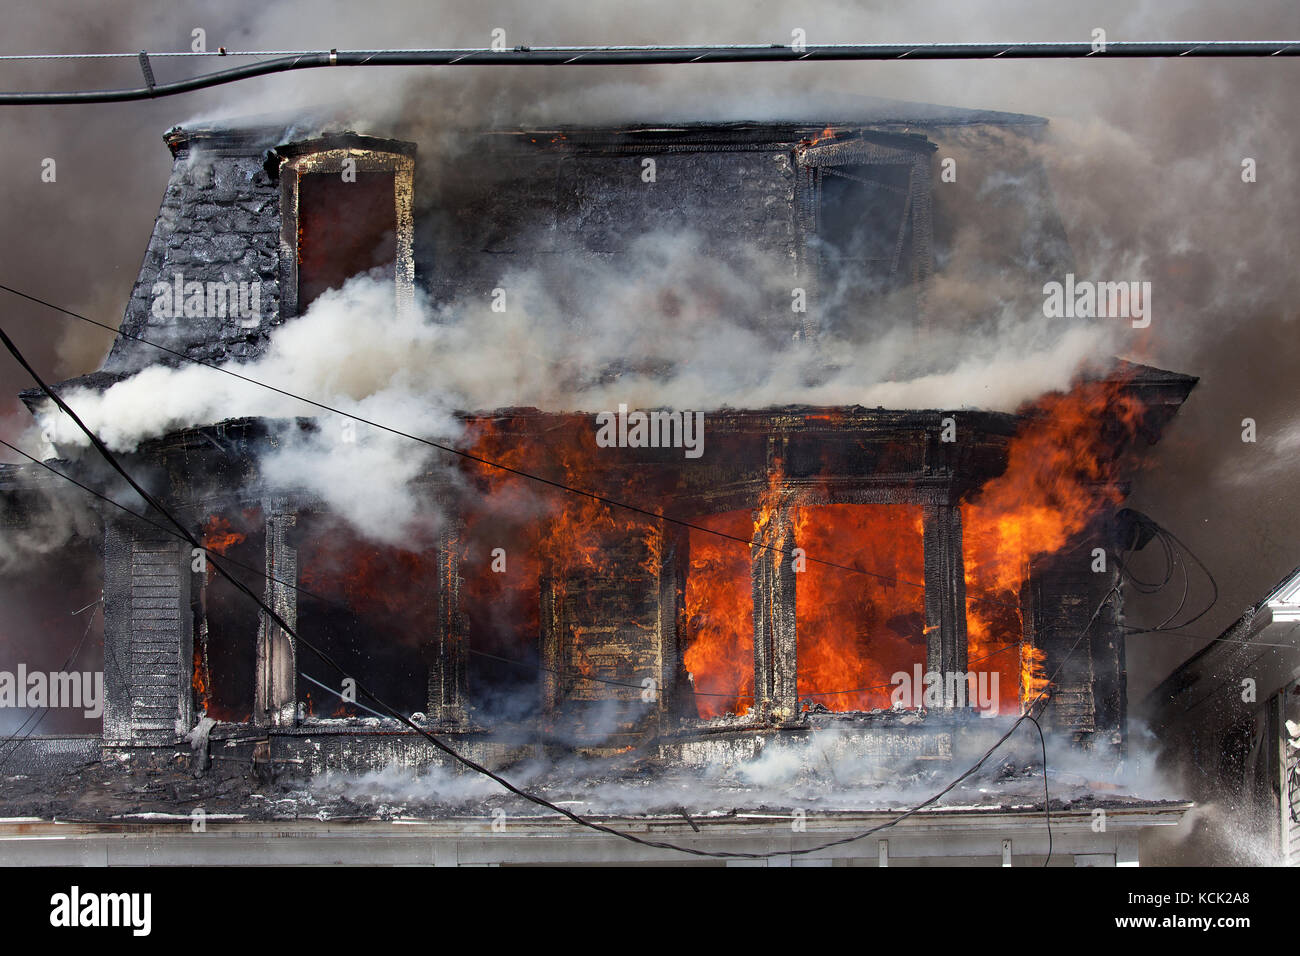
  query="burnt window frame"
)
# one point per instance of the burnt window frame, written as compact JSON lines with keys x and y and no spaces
{"x":327,"y":156}
{"x":866,"y":148}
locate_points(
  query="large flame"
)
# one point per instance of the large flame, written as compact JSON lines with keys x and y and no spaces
{"x":857,"y":628}
{"x":1059,"y":477}
{"x":720,"y":616}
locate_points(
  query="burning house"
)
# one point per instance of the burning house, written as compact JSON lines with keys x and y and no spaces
{"x":870,"y":594}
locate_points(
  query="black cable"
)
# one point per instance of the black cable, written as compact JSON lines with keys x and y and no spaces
{"x":1148,"y":587}
{"x":437,"y":742}
{"x":1047,"y":796}
{"x":655,"y":55}
{"x":1214,"y":585}
{"x":1182,"y":601}
{"x":1167,"y":541}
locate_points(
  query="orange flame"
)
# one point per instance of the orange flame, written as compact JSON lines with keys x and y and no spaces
{"x":219,"y":535}
{"x":827,"y":133}
{"x":1059,"y":477}
{"x":1033,"y":679}
{"x":855,"y":630}
{"x":720,"y":616}
{"x":199,"y":680}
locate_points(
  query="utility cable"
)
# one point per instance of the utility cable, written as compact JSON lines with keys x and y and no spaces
{"x":522,"y":55}
{"x":437,"y":742}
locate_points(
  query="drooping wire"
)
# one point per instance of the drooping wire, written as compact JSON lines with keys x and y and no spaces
{"x":1047,"y":796}
{"x":436,"y":741}
{"x":1173,"y":547}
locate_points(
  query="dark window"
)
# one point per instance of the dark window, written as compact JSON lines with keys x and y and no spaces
{"x":344,"y":229}
{"x":503,"y":618}
{"x":372,"y":608}
{"x":49,"y":622}
{"x":864,"y":234}
{"x":225,"y":650}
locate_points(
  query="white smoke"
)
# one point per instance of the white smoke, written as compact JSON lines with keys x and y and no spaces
{"x":717,"y":345}
{"x":832,"y":768}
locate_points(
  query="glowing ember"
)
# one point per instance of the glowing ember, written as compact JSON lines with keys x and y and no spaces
{"x":1058,"y":479}
{"x":200,"y":680}
{"x":219,"y":535}
{"x":1033,"y":680}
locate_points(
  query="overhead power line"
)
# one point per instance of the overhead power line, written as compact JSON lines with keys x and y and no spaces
{"x":661,"y":55}
{"x":170,"y":54}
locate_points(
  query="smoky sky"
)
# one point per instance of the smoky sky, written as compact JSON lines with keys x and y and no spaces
{"x":1144,"y":160}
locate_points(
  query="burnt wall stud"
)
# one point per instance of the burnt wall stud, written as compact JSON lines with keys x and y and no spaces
{"x":551,"y":689}
{"x":945,"y":596}
{"x":772,"y":577}
{"x":276,"y":702}
{"x":674,"y":562}
{"x":447,"y":668}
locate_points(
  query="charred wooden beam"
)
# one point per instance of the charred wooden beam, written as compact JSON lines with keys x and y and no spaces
{"x":674,"y":564}
{"x":549,"y":639}
{"x":945,"y":597}
{"x":775,"y":649}
{"x":276,"y":700}
{"x":1074,"y":619}
{"x":449,"y":657}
